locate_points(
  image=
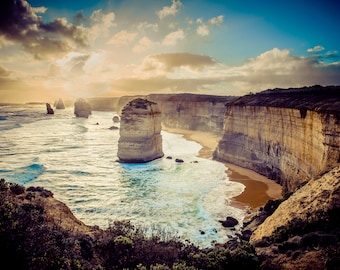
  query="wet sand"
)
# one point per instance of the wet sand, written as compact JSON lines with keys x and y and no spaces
{"x":258,"y":188}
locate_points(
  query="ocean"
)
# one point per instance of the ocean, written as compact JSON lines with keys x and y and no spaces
{"x":76,"y":159}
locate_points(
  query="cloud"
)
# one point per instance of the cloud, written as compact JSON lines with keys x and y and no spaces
{"x":169,"y":11}
{"x":143,"y":45}
{"x":184,"y":72}
{"x":146,"y":26}
{"x":41,"y":10}
{"x":315,"y":49}
{"x":122,"y":38}
{"x":168,"y":62}
{"x":20,"y":23}
{"x":216,"y":20}
{"x":203,"y":28}
{"x":4,"y":72}
{"x":173,"y":37}
{"x":100,"y":23}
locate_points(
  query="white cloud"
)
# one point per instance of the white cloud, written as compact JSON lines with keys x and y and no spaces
{"x":143,"y":44}
{"x":147,"y":26}
{"x":173,"y":37}
{"x":122,"y":38}
{"x":203,"y":30}
{"x":216,"y":20}
{"x":39,"y":9}
{"x":100,"y":24}
{"x":316,"y":49}
{"x":169,"y":11}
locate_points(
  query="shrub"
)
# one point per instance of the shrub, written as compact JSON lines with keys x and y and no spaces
{"x":17,"y":189}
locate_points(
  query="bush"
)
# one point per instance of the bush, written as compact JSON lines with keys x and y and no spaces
{"x":17,"y":189}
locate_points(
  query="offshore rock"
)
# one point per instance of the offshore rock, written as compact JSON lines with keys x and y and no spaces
{"x":49,"y":109}
{"x":60,"y":105}
{"x":82,"y":108}
{"x":140,"y":127}
{"x":115,"y":119}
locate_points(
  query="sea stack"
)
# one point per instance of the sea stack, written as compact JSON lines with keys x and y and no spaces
{"x":49,"y":109}
{"x":82,"y":108}
{"x":60,"y":104}
{"x":140,"y":132}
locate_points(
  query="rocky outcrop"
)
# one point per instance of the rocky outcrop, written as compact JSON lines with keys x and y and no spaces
{"x":115,"y":119}
{"x":191,"y":111}
{"x":140,"y":132}
{"x":82,"y":108}
{"x":49,"y":109}
{"x":290,"y":136}
{"x":311,"y":203}
{"x":59,"y":104}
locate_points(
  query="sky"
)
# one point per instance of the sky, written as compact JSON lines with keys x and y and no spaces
{"x":71,"y":49}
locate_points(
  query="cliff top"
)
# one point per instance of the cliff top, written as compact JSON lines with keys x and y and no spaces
{"x":316,"y":98}
{"x":139,"y":103}
{"x":192,"y":97}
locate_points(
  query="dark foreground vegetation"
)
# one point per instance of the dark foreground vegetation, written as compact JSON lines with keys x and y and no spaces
{"x":31,"y":238}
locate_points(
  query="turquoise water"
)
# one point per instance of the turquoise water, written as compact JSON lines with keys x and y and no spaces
{"x":75,"y":158}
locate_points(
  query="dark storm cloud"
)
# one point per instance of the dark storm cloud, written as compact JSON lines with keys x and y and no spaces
{"x":19,"y":23}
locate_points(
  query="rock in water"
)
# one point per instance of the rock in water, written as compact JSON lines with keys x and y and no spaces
{"x":49,"y":109}
{"x":115,"y":119}
{"x":82,"y":108}
{"x":140,"y":132}
{"x":60,"y":104}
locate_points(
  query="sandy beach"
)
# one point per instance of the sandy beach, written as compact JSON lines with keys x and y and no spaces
{"x":258,"y":188}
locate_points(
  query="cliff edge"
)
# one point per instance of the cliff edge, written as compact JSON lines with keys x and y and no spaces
{"x":140,"y":132}
{"x":290,"y":135}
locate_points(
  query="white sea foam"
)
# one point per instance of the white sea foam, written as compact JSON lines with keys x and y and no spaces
{"x":76,"y":159}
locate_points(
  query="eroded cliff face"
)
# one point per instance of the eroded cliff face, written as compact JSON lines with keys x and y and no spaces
{"x":193,"y":112}
{"x":82,"y":108}
{"x":283,"y":141}
{"x":309,"y":204}
{"x":140,"y":127}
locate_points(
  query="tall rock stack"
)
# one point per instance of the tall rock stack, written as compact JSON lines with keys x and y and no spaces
{"x":60,"y":104}
{"x":82,"y":108}
{"x":140,"y":132}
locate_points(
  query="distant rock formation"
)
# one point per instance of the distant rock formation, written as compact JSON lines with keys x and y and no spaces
{"x":82,"y":108}
{"x":49,"y":109}
{"x":115,"y":119}
{"x":140,"y":139}
{"x":60,"y":104}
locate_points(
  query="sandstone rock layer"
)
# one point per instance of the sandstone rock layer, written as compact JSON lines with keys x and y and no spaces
{"x":281,"y":140}
{"x":140,"y":132}
{"x":307,"y":204}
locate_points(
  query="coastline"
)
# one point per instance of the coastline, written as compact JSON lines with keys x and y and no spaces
{"x":258,"y":188}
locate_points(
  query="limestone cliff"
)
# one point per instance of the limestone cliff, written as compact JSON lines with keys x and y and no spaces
{"x":103,"y":103}
{"x":59,"y":104}
{"x":82,"y":108}
{"x":288,"y":135}
{"x":310,"y":203}
{"x":193,"y":112}
{"x":140,"y":127}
